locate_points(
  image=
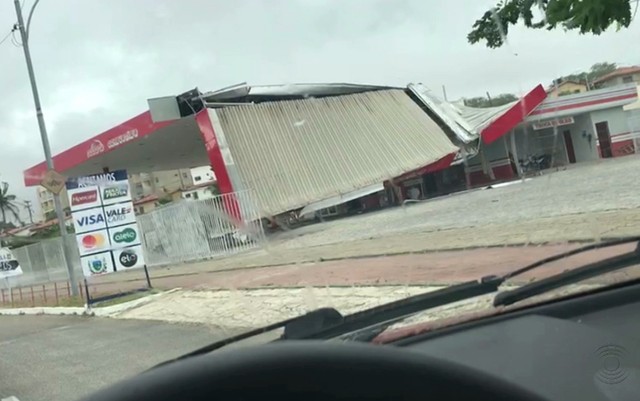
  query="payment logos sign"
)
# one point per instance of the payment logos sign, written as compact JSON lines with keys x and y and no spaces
{"x":93,"y":242}
{"x":107,"y":235}
{"x":97,"y":264}
{"x":89,"y":220}
{"x":128,"y":258}
{"x":83,"y":198}
{"x":119,"y":214}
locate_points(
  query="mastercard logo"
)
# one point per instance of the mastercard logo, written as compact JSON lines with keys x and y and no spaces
{"x":92,"y":241}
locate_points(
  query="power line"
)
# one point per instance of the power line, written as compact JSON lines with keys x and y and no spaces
{"x":6,"y":37}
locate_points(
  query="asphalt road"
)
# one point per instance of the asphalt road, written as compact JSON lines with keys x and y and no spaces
{"x":60,"y":358}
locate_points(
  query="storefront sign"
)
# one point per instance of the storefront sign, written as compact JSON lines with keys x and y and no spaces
{"x":553,"y":123}
{"x":9,"y":265}
{"x":106,"y":229}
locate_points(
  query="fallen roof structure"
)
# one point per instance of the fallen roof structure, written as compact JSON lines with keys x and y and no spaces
{"x":295,"y":152}
{"x":294,"y":145}
{"x":470,"y":124}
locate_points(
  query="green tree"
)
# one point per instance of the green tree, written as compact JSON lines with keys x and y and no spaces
{"x":482,"y":102}
{"x":587,"y":77}
{"x":8,"y":204}
{"x":585,"y":16}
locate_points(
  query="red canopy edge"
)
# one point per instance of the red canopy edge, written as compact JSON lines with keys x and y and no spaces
{"x":132,"y":129}
{"x":514,"y":116}
{"x":438,"y":165}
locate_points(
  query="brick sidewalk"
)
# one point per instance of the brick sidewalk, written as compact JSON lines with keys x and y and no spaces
{"x":437,"y":268}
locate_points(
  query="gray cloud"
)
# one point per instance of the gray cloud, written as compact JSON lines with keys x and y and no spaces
{"x":98,"y":61}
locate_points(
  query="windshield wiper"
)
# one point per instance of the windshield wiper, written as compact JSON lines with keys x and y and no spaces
{"x":571,"y":276}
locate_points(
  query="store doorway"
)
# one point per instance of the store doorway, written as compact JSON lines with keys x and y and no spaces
{"x":568,"y":142}
{"x":604,"y":138}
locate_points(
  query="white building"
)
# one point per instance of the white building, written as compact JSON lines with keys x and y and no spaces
{"x":199,"y":192}
{"x":203,"y":175}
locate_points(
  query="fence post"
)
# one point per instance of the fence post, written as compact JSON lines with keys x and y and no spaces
{"x":55,"y":289}
{"x":2,"y":292}
{"x":33,"y":297}
{"x":20,"y":292}
{"x":44,"y":293}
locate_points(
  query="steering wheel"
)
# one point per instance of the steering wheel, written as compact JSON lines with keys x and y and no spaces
{"x":310,"y":370}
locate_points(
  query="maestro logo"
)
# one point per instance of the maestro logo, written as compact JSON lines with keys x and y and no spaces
{"x":128,"y":258}
{"x":114,"y":192}
{"x":128,"y":235}
{"x":93,"y":241}
{"x":81,"y":198}
{"x":97,"y":265}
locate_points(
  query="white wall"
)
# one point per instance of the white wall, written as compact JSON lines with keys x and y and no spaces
{"x":201,"y":193}
{"x":618,"y":119}
{"x":584,"y":150}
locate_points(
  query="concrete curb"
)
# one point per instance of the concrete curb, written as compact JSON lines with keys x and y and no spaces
{"x":84,"y":311}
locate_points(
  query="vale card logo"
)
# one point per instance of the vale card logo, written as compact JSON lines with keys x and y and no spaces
{"x":118,"y":215}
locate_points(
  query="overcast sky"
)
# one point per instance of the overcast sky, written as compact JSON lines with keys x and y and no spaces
{"x":97,"y":61}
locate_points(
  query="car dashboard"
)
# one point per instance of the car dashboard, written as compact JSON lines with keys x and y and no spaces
{"x":584,"y":348}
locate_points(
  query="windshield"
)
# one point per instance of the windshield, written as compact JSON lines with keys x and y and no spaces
{"x":172,"y":174}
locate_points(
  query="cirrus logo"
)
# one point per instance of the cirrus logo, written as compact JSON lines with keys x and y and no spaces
{"x":128,"y":235}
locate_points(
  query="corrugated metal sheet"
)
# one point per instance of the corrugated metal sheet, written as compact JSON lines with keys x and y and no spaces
{"x":293,"y":153}
{"x":247,"y":94}
{"x":479,"y":118}
{"x":448,"y":114}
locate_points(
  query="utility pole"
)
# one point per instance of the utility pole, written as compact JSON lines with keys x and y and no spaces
{"x":29,"y":207}
{"x":47,"y":149}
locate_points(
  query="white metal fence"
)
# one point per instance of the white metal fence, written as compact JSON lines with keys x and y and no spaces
{"x":201,"y":229}
{"x":182,"y":232}
{"x":43,"y":262}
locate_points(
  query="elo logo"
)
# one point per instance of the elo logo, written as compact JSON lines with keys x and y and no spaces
{"x":128,"y":258}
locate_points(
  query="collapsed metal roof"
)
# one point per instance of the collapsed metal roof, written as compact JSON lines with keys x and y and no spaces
{"x":296,"y":152}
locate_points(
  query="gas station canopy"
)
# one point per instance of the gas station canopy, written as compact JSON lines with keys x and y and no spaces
{"x":138,"y":145}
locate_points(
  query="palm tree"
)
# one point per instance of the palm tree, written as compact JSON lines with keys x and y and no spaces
{"x":8,"y":204}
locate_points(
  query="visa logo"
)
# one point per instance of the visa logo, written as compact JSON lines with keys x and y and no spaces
{"x":90,"y":220}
